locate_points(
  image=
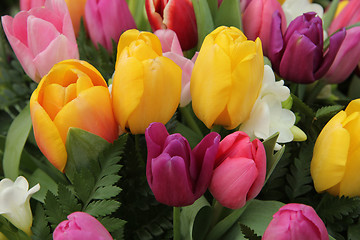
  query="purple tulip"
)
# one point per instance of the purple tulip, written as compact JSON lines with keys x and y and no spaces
{"x":346,"y":59}
{"x":80,"y":226}
{"x":106,"y":20}
{"x":296,"y":222}
{"x":176,"y":174}
{"x":298,"y":55}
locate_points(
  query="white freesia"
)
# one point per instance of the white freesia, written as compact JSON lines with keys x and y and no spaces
{"x":267,"y":116}
{"x":14,"y":202}
{"x":295,"y":8}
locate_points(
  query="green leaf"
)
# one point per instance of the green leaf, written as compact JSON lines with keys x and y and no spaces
{"x":204,"y":19}
{"x":102,"y":207}
{"x":106,"y":192}
{"x":258,"y":215}
{"x":68,"y":201}
{"x":249,"y":233}
{"x":15,"y":141}
{"x":189,"y":134}
{"x":328,"y":111}
{"x":330,"y":13}
{"x":229,"y":14}
{"x":46,"y":184}
{"x":83,"y":150}
{"x":234,"y":233}
{"x":354,"y":232}
{"x":53,"y":210}
{"x":112,"y":224}
{"x":40,"y":228}
{"x":10,"y":231}
{"x":272,"y":159}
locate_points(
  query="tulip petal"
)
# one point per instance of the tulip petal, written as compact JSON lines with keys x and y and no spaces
{"x":155,"y":135}
{"x":259,"y":156}
{"x":169,"y":173}
{"x":53,"y":99}
{"x":276,"y":41}
{"x":169,"y":41}
{"x":177,"y":145}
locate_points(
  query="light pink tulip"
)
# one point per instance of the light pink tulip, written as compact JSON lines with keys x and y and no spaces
{"x":346,"y":59}
{"x":41,"y":37}
{"x":296,"y":222}
{"x":257,"y":18}
{"x":348,"y":16}
{"x":240,"y":169}
{"x":106,"y":20}
{"x":26,"y":5}
{"x":81,"y":226}
{"x":172,"y":49}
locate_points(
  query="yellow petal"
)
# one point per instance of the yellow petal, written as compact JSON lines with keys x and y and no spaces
{"x":352,"y":125}
{"x":53,"y":99}
{"x":350,"y":184}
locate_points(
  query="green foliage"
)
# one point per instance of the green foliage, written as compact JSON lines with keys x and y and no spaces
{"x":10,"y":231}
{"x":249,"y":233}
{"x":40,"y":228}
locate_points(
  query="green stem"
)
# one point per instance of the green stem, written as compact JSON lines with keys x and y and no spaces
{"x":216,"y":128}
{"x":217,"y":210}
{"x":176,"y":223}
{"x":320,"y":84}
{"x":190,"y":120}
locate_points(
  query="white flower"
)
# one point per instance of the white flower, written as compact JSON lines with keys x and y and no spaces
{"x":267,"y":116}
{"x":295,"y":8}
{"x":14,"y":202}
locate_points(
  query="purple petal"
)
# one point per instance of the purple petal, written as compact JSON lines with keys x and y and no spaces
{"x":276,"y":42}
{"x":177,"y":145}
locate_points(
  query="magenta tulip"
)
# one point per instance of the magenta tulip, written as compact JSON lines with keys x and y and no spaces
{"x":26,"y":5}
{"x":106,"y":20}
{"x":79,"y":226}
{"x":176,"y":174}
{"x":257,"y":18}
{"x":172,"y":49}
{"x":296,"y":222}
{"x":347,"y":17}
{"x":298,"y":54}
{"x":346,"y":59}
{"x":240,"y":169}
{"x":177,"y":15}
{"x":41,"y":37}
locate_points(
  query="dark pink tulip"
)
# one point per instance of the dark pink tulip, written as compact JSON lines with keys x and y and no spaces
{"x":240,"y":169}
{"x":296,"y":222}
{"x":257,"y":18}
{"x":176,"y":174}
{"x":26,"y":5}
{"x":79,"y":226}
{"x":106,"y":20}
{"x":298,"y":54}
{"x":346,"y":59}
{"x":177,"y":15}
{"x":348,"y":16}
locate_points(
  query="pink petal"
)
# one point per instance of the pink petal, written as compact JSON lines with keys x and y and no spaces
{"x":169,"y":41}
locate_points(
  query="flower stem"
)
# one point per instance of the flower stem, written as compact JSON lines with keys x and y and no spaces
{"x":176,"y":223}
{"x":315,"y":91}
{"x":190,"y":120}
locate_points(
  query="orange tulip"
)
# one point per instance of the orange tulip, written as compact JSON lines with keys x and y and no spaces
{"x":77,"y":11}
{"x":72,"y":94}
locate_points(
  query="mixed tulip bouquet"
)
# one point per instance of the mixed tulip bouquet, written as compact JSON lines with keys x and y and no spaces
{"x":180,"y":119}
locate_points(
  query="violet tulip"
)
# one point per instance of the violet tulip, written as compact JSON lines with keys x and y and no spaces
{"x":177,"y":15}
{"x":79,"y":226}
{"x":346,"y":59}
{"x":348,"y":16}
{"x":298,"y":55}
{"x":106,"y":20}
{"x":172,"y":49}
{"x":296,"y":221}
{"x":26,"y":5}
{"x":240,"y":169}
{"x":41,"y":37}
{"x":257,"y":18}
{"x":176,"y":174}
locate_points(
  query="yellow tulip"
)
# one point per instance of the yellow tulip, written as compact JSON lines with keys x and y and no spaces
{"x":226,"y":78}
{"x":72,"y":94}
{"x":146,"y":86}
{"x":335,"y":164}
{"x":77,"y":11}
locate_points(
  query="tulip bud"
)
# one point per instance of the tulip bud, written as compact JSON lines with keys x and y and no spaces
{"x":41,"y":37}
{"x":81,"y":225}
{"x":26,"y":5}
{"x":226,"y":78}
{"x":100,"y":16}
{"x":14,"y":202}
{"x":72,"y":94}
{"x":335,"y":164}
{"x":298,"y":55}
{"x":240,"y":169}
{"x":176,"y":174}
{"x":146,"y":85}
{"x":296,"y":221}
{"x":177,"y":15}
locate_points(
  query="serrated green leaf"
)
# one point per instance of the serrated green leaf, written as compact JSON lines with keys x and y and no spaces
{"x":54,"y":212}
{"x":229,"y":14}
{"x":84,"y":183}
{"x":106,"y":192}
{"x":328,"y":111}
{"x":112,"y":224}
{"x":354,"y":232}
{"x":108,"y":180}
{"x":69,"y":202}
{"x":46,"y":184}
{"x":249,"y":233}
{"x":40,"y":227}
{"x":15,"y":141}
{"x":102,"y":208}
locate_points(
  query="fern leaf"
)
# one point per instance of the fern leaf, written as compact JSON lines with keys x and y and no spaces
{"x":40,"y":227}
{"x":102,"y":207}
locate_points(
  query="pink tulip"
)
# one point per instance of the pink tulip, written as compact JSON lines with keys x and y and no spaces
{"x":257,"y":17}
{"x":347,"y":17}
{"x":296,"y":222}
{"x":177,"y":15}
{"x":240,"y":169}
{"x":81,"y":226}
{"x":171,"y":49}
{"x":41,"y":37}
{"x":106,"y":20}
{"x":26,"y":5}
{"x":346,"y":59}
